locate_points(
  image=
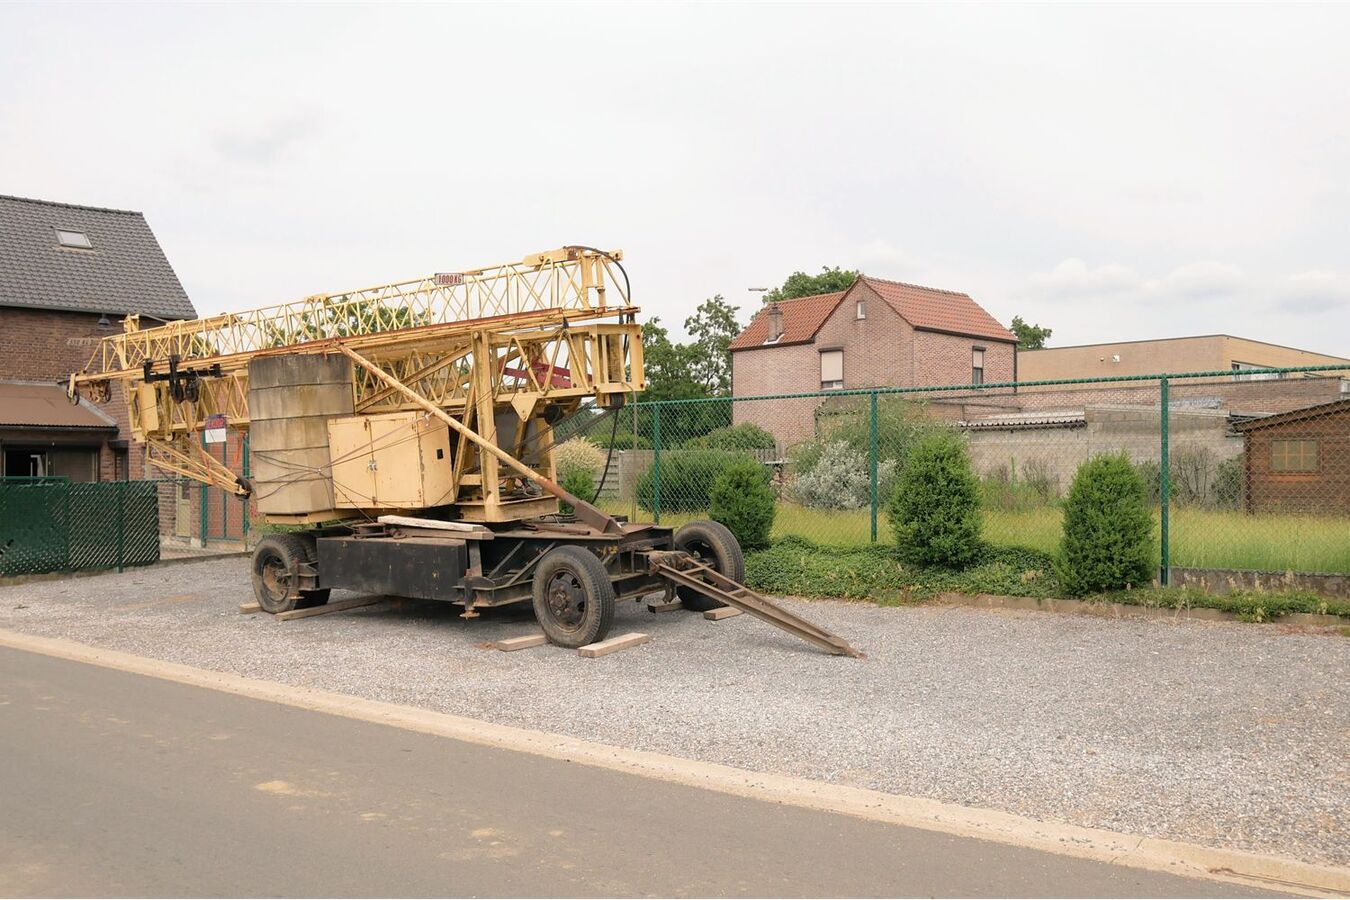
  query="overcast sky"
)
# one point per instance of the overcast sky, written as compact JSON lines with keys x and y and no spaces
{"x":1115,"y":172}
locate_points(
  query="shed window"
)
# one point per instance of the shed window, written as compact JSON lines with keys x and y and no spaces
{"x":77,"y":239}
{"x":831,"y":370}
{"x":1293,"y":456}
{"x":977,"y":365}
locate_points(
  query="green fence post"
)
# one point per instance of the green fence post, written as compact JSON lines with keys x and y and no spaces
{"x":656,"y":463}
{"x":872,"y":462}
{"x":121,"y":523}
{"x":1164,"y":476}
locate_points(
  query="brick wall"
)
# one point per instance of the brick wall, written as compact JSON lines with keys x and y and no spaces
{"x":880,"y":350}
{"x":45,"y":345}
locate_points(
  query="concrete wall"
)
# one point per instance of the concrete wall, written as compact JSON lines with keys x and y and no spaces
{"x":1059,"y":451}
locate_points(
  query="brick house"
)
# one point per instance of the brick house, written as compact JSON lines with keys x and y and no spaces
{"x":1298,"y":461}
{"x":878,"y":333}
{"x":68,"y":274}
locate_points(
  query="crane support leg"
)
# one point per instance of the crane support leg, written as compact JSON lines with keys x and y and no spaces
{"x":585,"y":512}
{"x":683,"y":570}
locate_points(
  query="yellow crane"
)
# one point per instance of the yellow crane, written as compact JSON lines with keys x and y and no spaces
{"x":410,"y":427}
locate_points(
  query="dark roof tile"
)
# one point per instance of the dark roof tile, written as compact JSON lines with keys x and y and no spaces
{"x":125,"y":273}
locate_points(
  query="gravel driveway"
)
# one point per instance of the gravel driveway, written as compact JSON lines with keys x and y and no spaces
{"x":1222,"y":734}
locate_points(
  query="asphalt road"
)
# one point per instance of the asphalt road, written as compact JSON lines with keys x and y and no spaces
{"x":118,"y":784}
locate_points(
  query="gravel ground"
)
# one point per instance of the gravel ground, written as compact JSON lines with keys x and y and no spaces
{"x":1222,"y":734}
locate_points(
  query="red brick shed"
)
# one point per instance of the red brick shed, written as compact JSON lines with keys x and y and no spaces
{"x":1299,"y":461}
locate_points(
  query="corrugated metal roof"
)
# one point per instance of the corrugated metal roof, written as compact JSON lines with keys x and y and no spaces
{"x":1042,"y":419}
{"x":123,"y":272}
{"x":26,"y":404}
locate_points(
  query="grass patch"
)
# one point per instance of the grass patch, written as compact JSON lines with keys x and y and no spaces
{"x":802,"y":568}
{"x":874,"y":572}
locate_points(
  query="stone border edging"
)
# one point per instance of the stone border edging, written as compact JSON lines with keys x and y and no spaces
{"x":1122,"y":610}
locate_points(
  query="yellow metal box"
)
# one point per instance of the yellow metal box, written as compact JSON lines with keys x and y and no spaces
{"x":390,"y":461}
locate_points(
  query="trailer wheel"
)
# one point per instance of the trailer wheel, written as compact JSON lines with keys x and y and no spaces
{"x":276,"y":563}
{"x":712,"y":544}
{"x":573,"y":597}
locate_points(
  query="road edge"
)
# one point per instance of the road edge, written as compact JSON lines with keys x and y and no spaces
{"x":1154,"y":854}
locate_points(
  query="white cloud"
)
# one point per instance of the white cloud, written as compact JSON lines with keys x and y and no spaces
{"x":1198,"y":281}
{"x":1313,"y":292}
{"x":1074,"y":279}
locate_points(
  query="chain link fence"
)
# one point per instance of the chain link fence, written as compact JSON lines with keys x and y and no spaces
{"x":55,"y":525}
{"x":1247,"y":471}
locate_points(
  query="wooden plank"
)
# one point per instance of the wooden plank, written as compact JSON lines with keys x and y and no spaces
{"x":665,"y":607}
{"x":614,"y":645}
{"x":246,"y":608}
{"x":722,"y":612}
{"x":437,"y":524}
{"x":524,"y":642}
{"x":327,"y":608}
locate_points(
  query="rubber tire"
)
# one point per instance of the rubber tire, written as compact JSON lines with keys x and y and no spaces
{"x":716,"y":547}
{"x":290,"y":551}
{"x":598,"y":592}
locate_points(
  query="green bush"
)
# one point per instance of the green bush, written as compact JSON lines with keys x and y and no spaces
{"x":746,"y":436}
{"x":935,"y":510}
{"x":687,"y":478}
{"x":579,"y":483}
{"x":742,"y":500}
{"x":1108,"y":528}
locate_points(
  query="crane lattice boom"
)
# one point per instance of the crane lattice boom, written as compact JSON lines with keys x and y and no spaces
{"x":533,"y":337}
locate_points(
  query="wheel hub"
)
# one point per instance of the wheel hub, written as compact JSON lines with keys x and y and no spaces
{"x":566,"y":601}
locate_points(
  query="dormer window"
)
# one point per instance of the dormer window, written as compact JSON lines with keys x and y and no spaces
{"x":76,"y":239}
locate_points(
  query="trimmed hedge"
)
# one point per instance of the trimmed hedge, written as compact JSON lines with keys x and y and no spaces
{"x":742,"y":500}
{"x":935,"y":510}
{"x":687,"y":478}
{"x":1108,"y":528}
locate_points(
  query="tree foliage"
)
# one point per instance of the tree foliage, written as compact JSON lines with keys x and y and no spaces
{"x":1029,"y":337}
{"x":800,"y":284}
{"x":712,"y":327}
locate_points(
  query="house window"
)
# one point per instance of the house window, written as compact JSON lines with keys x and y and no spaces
{"x":977,"y":365}
{"x":1293,"y":456}
{"x":76,"y":239}
{"x":831,"y":370}
{"x":1242,"y":367}
{"x":862,"y":309}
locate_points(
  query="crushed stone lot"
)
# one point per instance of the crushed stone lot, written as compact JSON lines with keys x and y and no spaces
{"x":1222,"y":734}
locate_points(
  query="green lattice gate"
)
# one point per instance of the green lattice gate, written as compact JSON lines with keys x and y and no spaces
{"x":50,"y":525}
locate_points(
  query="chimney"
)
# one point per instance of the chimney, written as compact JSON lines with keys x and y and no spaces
{"x":775,"y":323}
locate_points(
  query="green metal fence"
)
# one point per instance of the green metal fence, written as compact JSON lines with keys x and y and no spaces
{"x":1248,"y":470}
{"x":55,"y":525}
